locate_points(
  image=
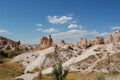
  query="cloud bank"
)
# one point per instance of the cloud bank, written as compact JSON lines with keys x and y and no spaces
{"x":59,"y":20}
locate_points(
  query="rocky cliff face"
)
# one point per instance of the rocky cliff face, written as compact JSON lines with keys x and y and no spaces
{"x":98,"y":58}
{"x":7,"y":44}
{"x":82,"y":56}
{"x":46,"y":42}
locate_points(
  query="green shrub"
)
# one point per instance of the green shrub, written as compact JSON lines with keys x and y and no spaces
{"x":40,"y":75}
{"x":2,"y":53}
{"x":19,"y":79}
{"x":101,"y":77}
{"x":59,"y":73}
{"x":1,"y":61}
{"x":10,"y":54}
{"x":114,"y":72}
{"x":7,"y":54}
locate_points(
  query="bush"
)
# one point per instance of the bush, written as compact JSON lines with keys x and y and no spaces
{"x":2,"y":53}
{"x":1,"y":61}
{"x":114,"y":72}
{"x":10,"y":54}
{"x":7,"y":54}
{"x":59,"y":73}
{"x":19,"y":79}
{"x":40,"y":75}
{"x":101,"y":77}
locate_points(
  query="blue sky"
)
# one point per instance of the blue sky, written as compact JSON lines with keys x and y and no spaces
{"x":28,"y":20}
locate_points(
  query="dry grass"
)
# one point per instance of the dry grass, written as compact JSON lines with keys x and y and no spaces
{"x":51,"y":55}
{"x":80,"y":76}
{"x":9,"y":71}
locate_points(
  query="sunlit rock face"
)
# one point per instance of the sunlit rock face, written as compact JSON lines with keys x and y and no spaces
{"x":83,"y":43}
{"x":62,"y":41}
{"x":117,"y":37}
{"x":46,"y":42}
{"x":95,"y":55}
{"x":7,"y":44}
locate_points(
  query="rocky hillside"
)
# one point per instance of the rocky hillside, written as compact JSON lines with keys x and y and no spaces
{"x":8,"y":44}
{"x":98,"y":57}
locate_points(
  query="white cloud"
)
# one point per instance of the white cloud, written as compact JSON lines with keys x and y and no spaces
{"x":51,"y":30}
{"x":105,"y":34}
{"x":115,"y":28}
{"x":4,"y":31}
{"x":94,"y":33}
{"x":39,"y":29}
{"x":71,"y":34}
{"x":59,"y":20}
{"x":75,"y":35}
{"x":38,"y":25}
{"x":74,"y":26}
{"x":31,"y":41}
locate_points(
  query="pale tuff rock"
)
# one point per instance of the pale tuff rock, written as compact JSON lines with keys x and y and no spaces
{"x":83,"y":43}
{"x":110,"y":39}
{"x":93,"y":59}
{"x":99,"y":40}
{"x":50,"y":41}
{"x":114,"y":38}
{"x":46,"y":42}
{"x":7,"y":44}
{"x":94,"y":55}
{"x":62,"y":41}
{"x":117,"y":37}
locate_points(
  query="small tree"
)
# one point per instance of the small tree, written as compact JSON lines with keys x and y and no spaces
{"x":101,"y":77}
{"x":59,"y":73}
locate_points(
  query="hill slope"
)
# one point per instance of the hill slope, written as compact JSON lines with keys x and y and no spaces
{"x":98,"y":58}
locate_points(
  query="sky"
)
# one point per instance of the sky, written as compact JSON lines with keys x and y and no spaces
{"x":28,"y":20}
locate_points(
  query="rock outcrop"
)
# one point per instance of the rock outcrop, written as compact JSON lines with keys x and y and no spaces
{"x":46,"y":42}
{"x":109,"y":40}
{"x":7,"y":44}
{"x":83,"y":43}
{"x":99,"y":57}
{"x":117,"y":37}
{"x":62,"y":41}
{"x":99,"y":40}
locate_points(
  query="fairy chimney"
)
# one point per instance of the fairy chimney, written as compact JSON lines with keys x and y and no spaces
{"x":83,"y":43}
{"x":62,"y":41}
{"x":99,"y":40}
{"x":110,"y":39}
{"x":117,"y":37}
{"x":43,"y":42}
{"x":50,"y":41}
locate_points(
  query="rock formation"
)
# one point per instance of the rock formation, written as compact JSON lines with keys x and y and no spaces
{"x":46,"y":42}
{"x":83,"y":43}
{"x":50,"y":41}
{"x":7,"y":44}
{"x":99,"y":40}
{"x":109,"y":40}
{"x":62,"y":41}
{"x":117,"y":37}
